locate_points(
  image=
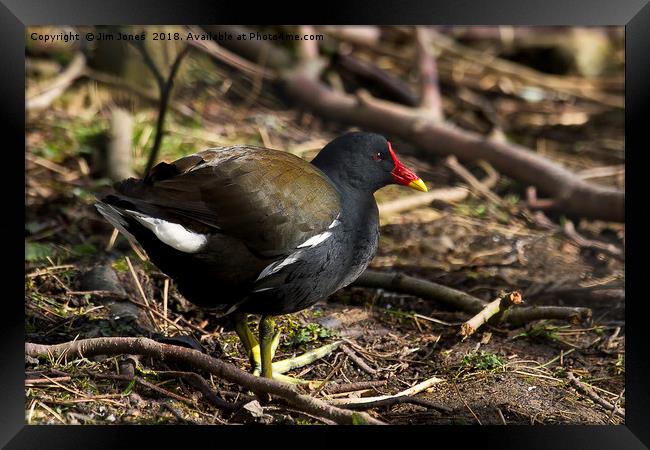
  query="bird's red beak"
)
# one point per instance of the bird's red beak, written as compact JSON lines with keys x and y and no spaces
{"x":405,"y":176}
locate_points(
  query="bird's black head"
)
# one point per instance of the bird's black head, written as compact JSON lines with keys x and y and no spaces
{"x":364,"y":161}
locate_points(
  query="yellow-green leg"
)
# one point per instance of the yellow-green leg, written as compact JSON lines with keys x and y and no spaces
{"x":248,"y":340}
{"x":269,"y":340}
{"x":261,"y":354}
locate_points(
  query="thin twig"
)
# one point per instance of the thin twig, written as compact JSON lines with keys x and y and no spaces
{"x":358,"y":361}
{"x":144,"y":297}
{"x":586,"y":390}
{"x":165,"y":87}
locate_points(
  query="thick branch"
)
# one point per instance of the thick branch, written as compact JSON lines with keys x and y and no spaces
{"x":405,"y":284}
{"x":465,"y":302}
{"x":171,"y":353}
{"x":572,"y":194}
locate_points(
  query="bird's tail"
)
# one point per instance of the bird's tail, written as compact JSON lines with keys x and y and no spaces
{"x":116,"y":218}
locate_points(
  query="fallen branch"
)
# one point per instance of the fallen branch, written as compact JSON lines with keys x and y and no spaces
{"x":43,"y":100}
{"x":171,"y":353}
{"x":428,"y":290}
{"x":571,"y":194}
{"x":358,"y":361}
{"x":586,"y":390}
{"x":501,"y":304}
{"x":406,"y":396}
{"x":331,"y":389}
{"x":405,"y":284}
{"x":521,"y":316}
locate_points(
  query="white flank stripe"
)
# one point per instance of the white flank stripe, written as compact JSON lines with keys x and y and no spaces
{"x":336,"y":223}
{"x":315,"y":240}
{"x":275,"y":266}
{"x":263,"y":289}
{"x":172,"y":234}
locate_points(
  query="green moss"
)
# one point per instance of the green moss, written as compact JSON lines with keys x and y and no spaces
{"x":541,"y":331}
{"x":481,"y":361}
{"x":295,"y":334}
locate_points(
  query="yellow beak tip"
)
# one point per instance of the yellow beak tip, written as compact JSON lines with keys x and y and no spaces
{"x":418,"y":185}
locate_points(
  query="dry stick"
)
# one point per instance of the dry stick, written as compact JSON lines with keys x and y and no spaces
{"x":307,"y":49}
{"x":521,"y":316}
{"x":358,"y":361}
{"x":424,"y":289}
{"x":391,"y":86}
{"x":384,"y":400}
{"x":449,"y":195}
{"x":466,"y":404}
{"x":504,"y":301}
{"x":165,"y":296}
{"x":429,"y":86}
{"x":44,"y":99}
{"x":571,"y":232}
{"x":405,"y":284}
{"x":232,"y":59}
{"x":29,"y":381}
{"x":142,"y":294}
{"x":584,"y":389}
{"x":200,"y":361}
{"x":466,"y":175}
{"x":353,"y":387}
{"x":201,"y":384}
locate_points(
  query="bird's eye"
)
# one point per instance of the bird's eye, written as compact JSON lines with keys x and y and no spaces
{"x":378,"y":156}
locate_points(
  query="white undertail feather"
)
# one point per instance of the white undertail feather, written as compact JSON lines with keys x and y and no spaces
{"x":172,"y":234}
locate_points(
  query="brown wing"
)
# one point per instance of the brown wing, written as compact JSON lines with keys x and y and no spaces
{"x":271,"y":200}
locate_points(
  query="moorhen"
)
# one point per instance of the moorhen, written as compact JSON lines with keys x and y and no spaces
{"x":246,"y":229}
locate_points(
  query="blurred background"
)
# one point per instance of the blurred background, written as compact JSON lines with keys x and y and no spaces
{"x":518,"y":133}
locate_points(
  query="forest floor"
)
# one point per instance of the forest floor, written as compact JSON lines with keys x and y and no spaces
{"x":496,"y":376}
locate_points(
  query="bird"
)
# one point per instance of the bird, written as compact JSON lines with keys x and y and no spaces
{"x":250,"y":230}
